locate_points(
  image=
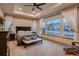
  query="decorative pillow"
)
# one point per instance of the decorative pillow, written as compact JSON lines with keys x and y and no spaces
{"x":34,"y":37}
{"x":27,"y":38}
{"x":28,"y":33}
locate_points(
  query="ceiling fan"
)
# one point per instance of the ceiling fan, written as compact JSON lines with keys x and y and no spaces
{"x":36,"y":5}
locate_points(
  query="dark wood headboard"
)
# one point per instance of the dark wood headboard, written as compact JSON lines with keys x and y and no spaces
{"x":19,"y":28}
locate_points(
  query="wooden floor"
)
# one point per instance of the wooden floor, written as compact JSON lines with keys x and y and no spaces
{"x":47,"y":48}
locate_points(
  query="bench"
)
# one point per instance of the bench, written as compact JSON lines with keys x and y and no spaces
{"x":26,"y":42}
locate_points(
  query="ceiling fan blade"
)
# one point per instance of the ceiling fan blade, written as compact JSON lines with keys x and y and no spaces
{"x":39,"y":8}
{"x":28,"y":5}
{"x":41,"y":4}
{"x":33,"y":8}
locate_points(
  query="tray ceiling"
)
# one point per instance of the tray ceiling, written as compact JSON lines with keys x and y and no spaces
{"x":20,"y":9}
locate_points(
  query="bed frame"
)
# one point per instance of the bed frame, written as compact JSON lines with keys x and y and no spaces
{"x":19,"y":28}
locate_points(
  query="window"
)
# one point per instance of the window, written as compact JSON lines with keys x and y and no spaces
{"x":34,"y":25}
{"x":53,"y":26}
{"x":68,"y":32}
{"x":43,"y":29}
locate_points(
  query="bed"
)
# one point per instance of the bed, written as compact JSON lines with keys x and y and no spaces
{"x":22,"y":31}
{"x":26,"y":36}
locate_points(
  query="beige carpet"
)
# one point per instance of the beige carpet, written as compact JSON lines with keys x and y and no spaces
{"x":47,"y":48}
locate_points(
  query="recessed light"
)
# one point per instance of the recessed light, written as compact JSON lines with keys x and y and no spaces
{"x":20,"y":8}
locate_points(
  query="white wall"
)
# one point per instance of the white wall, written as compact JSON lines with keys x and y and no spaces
{"x":16,"y":22}
{"x":21,"y":22}
{"x":1,"y":11}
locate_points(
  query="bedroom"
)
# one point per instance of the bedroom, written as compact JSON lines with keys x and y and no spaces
{"x":45,"y":23}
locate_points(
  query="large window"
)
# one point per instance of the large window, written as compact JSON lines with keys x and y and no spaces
{"x":53,"y":26}
{"x":68,"y":31}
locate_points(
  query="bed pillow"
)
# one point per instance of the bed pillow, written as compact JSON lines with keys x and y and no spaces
{"x":28,"y":33}
{"x":21,"y":33}
{"x":27,"y":38}
{"x":34,"y":37}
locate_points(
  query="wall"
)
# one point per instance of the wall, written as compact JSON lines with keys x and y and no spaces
{"x":16,"y":22}
{"x":78,"y":18}
{"x":21,"y":22}
{"x":1,"y":16}
{"x":1,"y":11}
{"x":38,"y":26}
{"x":77,"y":33}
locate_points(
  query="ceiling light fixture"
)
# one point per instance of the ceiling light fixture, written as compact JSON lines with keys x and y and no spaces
{"x":20,"y":8}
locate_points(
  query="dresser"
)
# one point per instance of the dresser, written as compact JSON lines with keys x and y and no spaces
{"x":3,"y":43}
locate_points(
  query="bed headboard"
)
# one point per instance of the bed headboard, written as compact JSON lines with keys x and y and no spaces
{"x":19,"y":28}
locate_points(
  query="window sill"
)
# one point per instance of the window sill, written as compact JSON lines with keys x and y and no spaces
{"x":71,"y":38}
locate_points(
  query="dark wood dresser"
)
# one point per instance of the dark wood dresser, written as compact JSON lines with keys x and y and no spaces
{"x":3,"y":43}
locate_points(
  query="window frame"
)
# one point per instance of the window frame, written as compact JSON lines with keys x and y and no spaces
{"x":48,"y":19}
{"x":61,"y":26}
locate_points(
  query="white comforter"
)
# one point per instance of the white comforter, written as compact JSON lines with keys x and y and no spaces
{"x":21,"y":34}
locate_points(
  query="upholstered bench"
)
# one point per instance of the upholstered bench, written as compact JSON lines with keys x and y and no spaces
{"x":26,"y":42}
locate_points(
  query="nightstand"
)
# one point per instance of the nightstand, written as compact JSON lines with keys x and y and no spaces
{"x":12,"y":36}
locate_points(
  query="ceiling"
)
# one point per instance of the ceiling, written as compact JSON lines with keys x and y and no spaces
{"x":20,"y":9}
